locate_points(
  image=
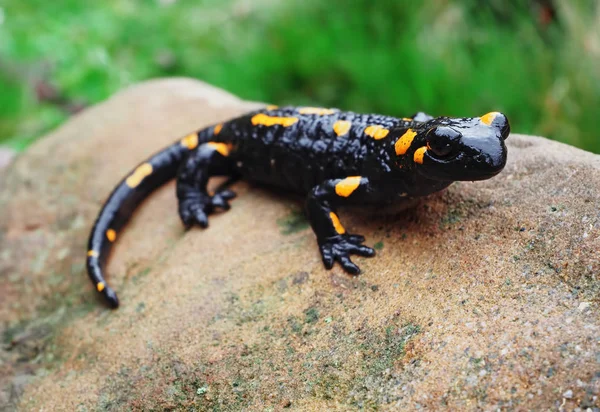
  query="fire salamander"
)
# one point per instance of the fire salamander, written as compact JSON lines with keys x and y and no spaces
{"x":333,"y":157}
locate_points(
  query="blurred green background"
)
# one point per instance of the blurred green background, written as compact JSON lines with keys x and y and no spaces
{"x":538,"y":61}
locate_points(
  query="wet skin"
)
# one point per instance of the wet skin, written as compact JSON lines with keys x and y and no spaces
{"x":334,"y":158}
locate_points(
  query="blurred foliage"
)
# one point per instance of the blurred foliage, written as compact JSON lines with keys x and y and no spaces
{"x":444,"y":57}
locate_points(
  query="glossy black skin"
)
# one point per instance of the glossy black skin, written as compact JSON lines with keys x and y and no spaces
{"x":309,"y":158}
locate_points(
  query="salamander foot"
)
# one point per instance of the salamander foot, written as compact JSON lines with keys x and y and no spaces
{"x":338,"y":248}
{"x":195,"y":207}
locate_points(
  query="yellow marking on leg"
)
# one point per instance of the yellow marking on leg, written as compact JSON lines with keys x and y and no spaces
{"x":217,"y":129}
{"x":407,"y":119}
{"x":223,"y":148}
{"x":272,"y":107}
{"x":345,"y":187}
{"x":111,"y":235}
{"x":138,"y":175}
{"x":335,"y":220}
{"x":190,"y":141}
{"x":265,"y":120}
{"x":419,"y":153}
{"x":92,"y":253}
{"x":316,"y":110}
{"x":341,"y":127}
{"x":100,"y":286}
{"x":376,"y":132}
{"x":403,"y":144}
{"x":488,"y":118}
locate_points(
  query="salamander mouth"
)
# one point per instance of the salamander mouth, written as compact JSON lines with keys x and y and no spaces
{"x":448,"y":159}
{"x":455,"y":167}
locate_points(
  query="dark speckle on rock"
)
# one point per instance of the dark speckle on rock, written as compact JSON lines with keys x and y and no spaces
{"x":312,"y":315}
{"x":300,"y":278}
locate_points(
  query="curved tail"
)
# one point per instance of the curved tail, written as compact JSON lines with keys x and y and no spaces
{"x":129,"y":193}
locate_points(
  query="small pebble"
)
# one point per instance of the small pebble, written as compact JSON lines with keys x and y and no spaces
{"x":583,"y":306}
{"x":568,"y":394}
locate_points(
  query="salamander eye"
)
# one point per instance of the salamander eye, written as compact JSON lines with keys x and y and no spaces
{"x":441,"y":140}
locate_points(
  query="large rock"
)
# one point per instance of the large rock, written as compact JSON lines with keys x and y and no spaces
{"x":483,"y":296}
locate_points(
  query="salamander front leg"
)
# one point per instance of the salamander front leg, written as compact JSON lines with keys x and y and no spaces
{"x":195,"y":203}
{"x":334,"y":243}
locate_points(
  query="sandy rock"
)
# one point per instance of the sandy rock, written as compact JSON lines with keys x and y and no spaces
{"x":474,"y":300}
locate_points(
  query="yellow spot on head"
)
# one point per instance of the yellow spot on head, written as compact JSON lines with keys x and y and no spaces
{"x":100,"y":286}
{"x":111,"y":235}
{"x":419,"y":153}
{"x":218,"y":128}
{"x":222,"y":148}
{"x":138,"y":175}
{"x":345,"y":187}
{"x":92,"y":253}
{"x":403,"y":144}
{"x":376,"y":132}
{"x":335,"y":220}
{"x":272,"y":107}
{"x":488,"y":118}
{"x":190,"y":141}
{"x":316,"y":110}
{"x":341,"y":127}
{"x":264,"y":120}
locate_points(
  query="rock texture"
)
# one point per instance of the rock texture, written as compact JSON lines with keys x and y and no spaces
{"x":482,"y":297}
{"x":6,"y":156}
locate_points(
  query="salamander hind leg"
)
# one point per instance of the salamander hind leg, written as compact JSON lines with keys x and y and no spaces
{"x":335,"y":244}
{"x":195,"y":203}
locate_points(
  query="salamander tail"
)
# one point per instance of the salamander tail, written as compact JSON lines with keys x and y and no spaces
{"x":129,"y":193}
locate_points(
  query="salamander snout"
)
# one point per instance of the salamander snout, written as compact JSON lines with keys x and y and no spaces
{"x":498,"y":121}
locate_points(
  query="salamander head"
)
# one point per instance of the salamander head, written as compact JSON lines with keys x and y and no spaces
{"x":472,"y":148}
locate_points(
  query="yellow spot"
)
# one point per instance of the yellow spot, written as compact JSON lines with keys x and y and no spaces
{"x":341,"y":127}
{"x":222,"y":148}
{"x":111,"y":235}
{"x":403,"y":144}
{"x":488,"y":118}
{"x":100,"y":286}
{"x":190,"y":141}
{"x":316,"y":110}
{"x":263,"y":119}
{"x":407,"y":119}
{"x":345,"y":187}
{"x":336,"y":223}
{"x":138,"y":175}
{"x":272,"y":107}
{"x":376,"y":132}
{"x":92,"y":253}
{"x":419,"y":153}
{"x":218,"y":128}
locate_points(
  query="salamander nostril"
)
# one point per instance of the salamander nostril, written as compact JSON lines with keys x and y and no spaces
{"x":503,"y":125}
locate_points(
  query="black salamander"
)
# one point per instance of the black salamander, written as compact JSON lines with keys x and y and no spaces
{"x":333,"y":157}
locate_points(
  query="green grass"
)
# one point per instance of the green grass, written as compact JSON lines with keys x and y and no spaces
{"x":461,"y":58}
